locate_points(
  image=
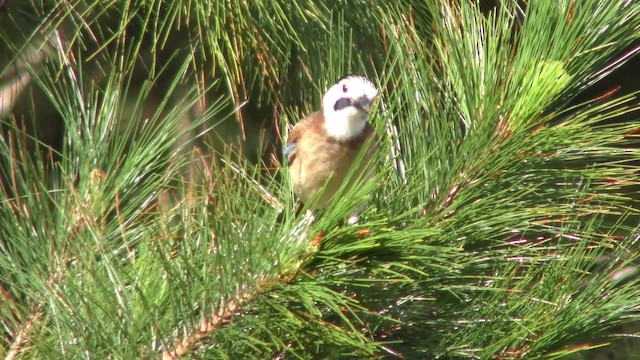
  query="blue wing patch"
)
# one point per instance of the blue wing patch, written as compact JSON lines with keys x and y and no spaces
{"x":289,"y":150}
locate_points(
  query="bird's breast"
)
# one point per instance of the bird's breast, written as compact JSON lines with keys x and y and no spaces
{"x":321,"y":165}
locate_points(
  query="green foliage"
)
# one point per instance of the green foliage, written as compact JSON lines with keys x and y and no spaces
{"x":502,"y":221}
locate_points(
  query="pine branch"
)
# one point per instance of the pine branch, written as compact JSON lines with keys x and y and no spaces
{"x":501,"y":224}
{"x":21,"y":338}
{"x":218,"y":318}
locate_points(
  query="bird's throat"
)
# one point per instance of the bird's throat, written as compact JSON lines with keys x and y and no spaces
{"x":346,"y":125}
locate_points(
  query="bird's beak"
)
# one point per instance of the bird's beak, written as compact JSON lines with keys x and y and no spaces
{"x":363,"y":103}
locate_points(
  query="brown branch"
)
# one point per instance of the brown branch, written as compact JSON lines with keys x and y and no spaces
{"x":218,"y":318}
{"x":227,"y":309}
{"x":17,"y":345}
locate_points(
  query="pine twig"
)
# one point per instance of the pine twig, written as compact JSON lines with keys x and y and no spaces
{"x":226,"y":310}
{"x":218,"y":318}
{"x":17,"y":345}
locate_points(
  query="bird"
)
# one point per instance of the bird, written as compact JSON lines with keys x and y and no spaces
{"x":322,"y":147}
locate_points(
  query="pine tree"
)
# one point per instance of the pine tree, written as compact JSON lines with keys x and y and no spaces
{"x":502,"y":222}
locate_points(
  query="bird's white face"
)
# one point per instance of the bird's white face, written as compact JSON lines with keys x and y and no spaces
{"x":346,"y":107}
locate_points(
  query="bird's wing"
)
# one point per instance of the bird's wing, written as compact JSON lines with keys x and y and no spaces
{"x":289,"y":152}
{"x":296,"y":134}
{"x":292,"y":141}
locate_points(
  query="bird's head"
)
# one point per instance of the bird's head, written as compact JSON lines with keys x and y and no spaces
{"x":346,"y":107}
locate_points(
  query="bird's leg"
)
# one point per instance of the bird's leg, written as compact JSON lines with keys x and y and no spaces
{"x":354,"y":216}
{"x":299,"y":207}
{"x":296,"y":213}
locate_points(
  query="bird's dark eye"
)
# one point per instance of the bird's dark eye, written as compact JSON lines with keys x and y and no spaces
{"x":342,"y":103}
{"x":344,"y":88}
